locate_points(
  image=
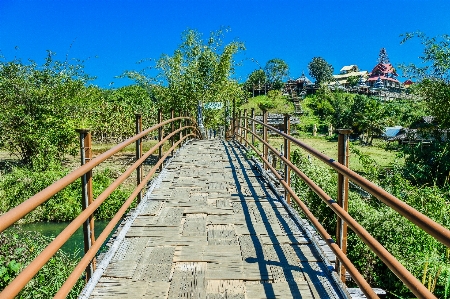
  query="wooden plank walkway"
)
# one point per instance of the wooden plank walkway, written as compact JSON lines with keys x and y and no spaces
{"x":213,"y":229}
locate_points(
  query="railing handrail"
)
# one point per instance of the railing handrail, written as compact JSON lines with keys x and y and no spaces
{"x":375,"y":246}
{"x":30,"y":204}
{"x":433,"y":228}
{"x":398,"y":269}
{"x":18,"y":212}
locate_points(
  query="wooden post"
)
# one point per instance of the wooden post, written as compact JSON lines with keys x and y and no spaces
{"x":234,"y":118}
{"x":245,"y":126}
{"x":265,"y":148}
{"x":172,"y":127}
{"x":160,"y":136}
{"x":252,"y":115}
{"x":287,"y":155}
{"x":239,"y":126}
{"x":180,"y":125}
{"x":87,"y":197}
{"x":342,"y":197}
{"x":138,"y":153}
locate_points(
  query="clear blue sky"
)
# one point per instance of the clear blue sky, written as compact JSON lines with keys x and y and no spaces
{"x":113,"y":35}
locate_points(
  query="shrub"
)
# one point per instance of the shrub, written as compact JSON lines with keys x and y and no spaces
{"x":20,"y":184}
{"x":18,"y":248}
{"x":420,"y":253}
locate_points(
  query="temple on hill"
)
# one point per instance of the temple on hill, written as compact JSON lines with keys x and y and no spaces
{"x":384,"y":76}
{"x":350,"y":71}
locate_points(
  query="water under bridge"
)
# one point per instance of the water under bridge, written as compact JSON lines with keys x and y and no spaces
{"x":217,"y":223}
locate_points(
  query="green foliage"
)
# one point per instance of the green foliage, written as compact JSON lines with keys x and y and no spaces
{"x":110,"y":114}
{"x":353,"y":80}
{"x":320,"y":70}
{"x":428,"y":164}
{"x":276,"y":71}
{"x":20,"y":184}
{"x":364,"y":115}
{"x":198,"y":70}
{"x":255,"y":81}
{"x":18,"y":248}
{"x":273,"y":102}
{"x":433,"y":76}
{"x":421,"y":254}
{"x":38,"y":102}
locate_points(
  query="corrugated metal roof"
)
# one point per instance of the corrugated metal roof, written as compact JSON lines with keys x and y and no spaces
{"x":391,"y":132}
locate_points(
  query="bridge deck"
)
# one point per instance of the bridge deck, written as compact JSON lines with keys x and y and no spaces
{"x":213,"y":229}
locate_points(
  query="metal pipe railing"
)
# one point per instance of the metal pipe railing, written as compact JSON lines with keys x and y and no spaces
{"x":398,"y":269}
{"x":74,"y":276}
{"x":436,"y":230}
{"x":13,"y":215}
{"x":18,"y":212}
{"x":354,"y":273}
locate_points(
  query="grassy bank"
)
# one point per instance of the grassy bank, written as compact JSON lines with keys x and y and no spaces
{"x":384,"y":158}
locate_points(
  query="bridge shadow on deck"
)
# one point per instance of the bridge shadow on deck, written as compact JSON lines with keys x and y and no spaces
{"x":290,"y":270}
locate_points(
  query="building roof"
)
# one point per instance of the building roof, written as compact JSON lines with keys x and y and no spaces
{"x":347,"y":68}
{"x":391,"y":132}
{"x":384,"y":71}
{"x":408,"y":82}
{"x":385,"y":68}
{"x":358,"y":74}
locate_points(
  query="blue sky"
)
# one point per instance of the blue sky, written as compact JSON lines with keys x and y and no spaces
{"x":111,"y":36}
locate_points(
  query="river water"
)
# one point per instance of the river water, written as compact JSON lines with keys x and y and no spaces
{"x":75,"y":242}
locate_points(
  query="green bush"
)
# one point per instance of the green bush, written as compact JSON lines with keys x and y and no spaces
{"x":22,"y":183}
{"x":420,"y":253}
{"x":18,"y":248}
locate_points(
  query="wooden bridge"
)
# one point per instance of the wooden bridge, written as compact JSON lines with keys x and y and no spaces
{"x":212,"y":224}
{"x":213,"y":228}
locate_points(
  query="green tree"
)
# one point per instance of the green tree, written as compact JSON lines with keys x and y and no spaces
{"x":276,"y":72}
{"x":39,"y":109}
{"x":256,"y":82}
{"x":198,"y":70}
{"x":369,"y":117}
{"x":431,"y":164}
{"x":433,"y":76}
{"x":320,"y":70}
{"x":353,"y":80}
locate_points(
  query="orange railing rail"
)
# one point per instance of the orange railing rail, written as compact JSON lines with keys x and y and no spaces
{"x":187,"y":129}
{"x":242,"y":130}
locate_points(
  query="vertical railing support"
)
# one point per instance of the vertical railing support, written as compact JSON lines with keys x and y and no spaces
{"x":160,"y":136}
{"x":87,"y":196}
{"x":287,"y":155}
{"x":252,"y":115}
{"x":245,"y":127}
{"x":180,"y":125}
{"x":172,"y":127}
{"x":265,"y":148}
{"x":239,"y":126}
{"x":138,"y":154}
{"x":342,"y":197}
{"x":234,"y":119}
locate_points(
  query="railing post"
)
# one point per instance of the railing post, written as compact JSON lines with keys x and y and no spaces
{"x":87,"y":196}
{"x":239,"y":128}
{"x":287,"y":155}
{"x":234,"y":119}
{"x":138,"y":153}
{"x":253,"y":125}
{"x":172,"y":127}
{"x":342,"y":197}
{"x":245,"y":127}
{"x":160,"y":134}
{"x":180,"y":125}
{"x":265,"y":148}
